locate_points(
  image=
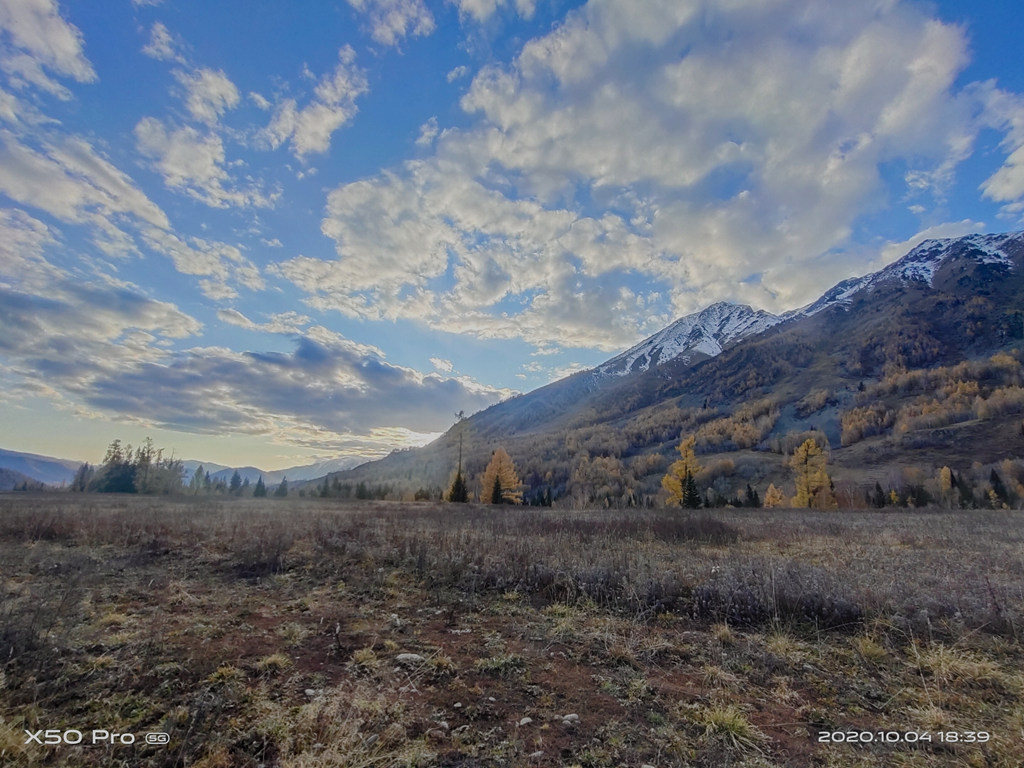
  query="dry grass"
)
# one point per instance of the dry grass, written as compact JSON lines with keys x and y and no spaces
{"x":270,"y":634}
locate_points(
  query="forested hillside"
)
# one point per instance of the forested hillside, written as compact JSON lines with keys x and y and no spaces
{"x":895,"y":376}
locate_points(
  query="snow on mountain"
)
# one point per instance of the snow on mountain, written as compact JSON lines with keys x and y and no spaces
{"x":920,"y":265}
{"x":704,"y":333}
{"x":707,"y":332}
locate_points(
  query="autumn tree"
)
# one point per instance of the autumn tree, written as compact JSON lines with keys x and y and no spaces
{"x":813,"y":485}
{"x":774,"y":497}
{"x":500,"y":475}
{"x":679,"y":482}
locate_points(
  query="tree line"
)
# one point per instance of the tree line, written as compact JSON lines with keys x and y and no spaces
{"x":145,"y":469}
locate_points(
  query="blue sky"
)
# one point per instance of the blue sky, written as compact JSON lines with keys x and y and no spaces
{"x":267,"y":232}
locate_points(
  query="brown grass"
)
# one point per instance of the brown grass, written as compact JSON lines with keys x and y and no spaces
{"x":270,"y":633}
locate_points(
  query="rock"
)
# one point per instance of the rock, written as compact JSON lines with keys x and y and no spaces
{"x":409,"y":659}
{"x":310,"y":692}
{"x":457,"y":705}
{"x":525,"y":721}
{"x":537,"y":755}
{"x":573,"y":718}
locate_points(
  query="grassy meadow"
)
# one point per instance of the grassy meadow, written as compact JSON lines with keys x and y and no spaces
{"x":313,"y":632}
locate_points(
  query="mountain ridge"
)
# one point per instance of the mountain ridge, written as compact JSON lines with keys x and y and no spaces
{"x":944,"y":302}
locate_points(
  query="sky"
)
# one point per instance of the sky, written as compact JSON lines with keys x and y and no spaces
{"x":266,"y":233}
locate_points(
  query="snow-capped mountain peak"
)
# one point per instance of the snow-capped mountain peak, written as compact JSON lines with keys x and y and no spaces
{"x":920,"y":265}
{"x":703,"y":333}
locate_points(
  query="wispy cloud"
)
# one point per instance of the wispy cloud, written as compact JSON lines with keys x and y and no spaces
{"x":39,"y":40}
{"x":162,"y":45}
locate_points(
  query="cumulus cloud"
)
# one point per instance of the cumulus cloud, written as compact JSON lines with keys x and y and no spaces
{"x":481,"y":10}
{"x":708,"y":150}
{"x":441,"y":364}
{"x":193,"y":162}
{"x":34,"y":40}
{"x":309,"y":129}
{"x":209,"y":94}
{"x":391,"y":21}
{"x":222,"y":266}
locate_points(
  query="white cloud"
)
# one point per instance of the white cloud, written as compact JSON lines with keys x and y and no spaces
{"x":38,"y":39}
{"x":736,"y":169}
{"x":481,"y":10}
{"x":445,"y":366}
{"x":222,"y":266}
{"x":391,"y":21}
{"x":162,"y":45}
{"x":193,"y":162}
{"x":457,"y":73}
{"x":282,"y":323}
{"x":209,"y":94}
{"x":428,"y":132}
{"x":260,"y":101}
{"x":71,"y":182}
{"x":23,"y":240}
{"x":309,"y":129}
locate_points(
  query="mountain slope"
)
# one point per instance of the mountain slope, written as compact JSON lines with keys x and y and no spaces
{"x":944,"y":302}
{"x":44,"y":469}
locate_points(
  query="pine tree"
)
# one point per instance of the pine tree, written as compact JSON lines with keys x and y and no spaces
{"x":679,"y":482}
{"x":260,"y":491}
{"x":83,"y":476}
{"x":752,"y":500}
{"x":879,"y":498}
{"x":998,"y":489}
{"x":196,"y":483}
{"x":496,"y":497}
{"x":458,"y":492}
{"x":282,"y":489}
{"x":236,"y":484}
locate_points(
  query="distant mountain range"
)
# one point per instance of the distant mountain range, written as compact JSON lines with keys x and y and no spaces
{"x":56,"y":472}
{"x":42,"y":469}
{"x":944,"y":302}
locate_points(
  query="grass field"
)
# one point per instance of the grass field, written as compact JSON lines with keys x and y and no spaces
{"x":307,"y":633}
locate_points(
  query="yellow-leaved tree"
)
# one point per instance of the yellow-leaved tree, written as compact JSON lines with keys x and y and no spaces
{"x":500,"y":483}
{"x":813,"y":485}
{"x":773,"y":497}
{"x":679,"y":482}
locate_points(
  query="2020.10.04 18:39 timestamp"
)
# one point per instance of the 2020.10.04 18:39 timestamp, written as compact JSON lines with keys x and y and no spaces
{"x":903,"y":737}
